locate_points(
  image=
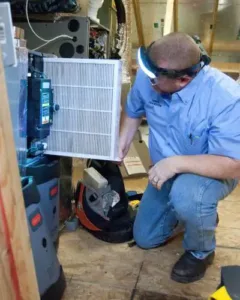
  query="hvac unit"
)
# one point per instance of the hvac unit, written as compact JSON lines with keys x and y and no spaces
{"x":77,"y":27}
{"x":88,"y":92}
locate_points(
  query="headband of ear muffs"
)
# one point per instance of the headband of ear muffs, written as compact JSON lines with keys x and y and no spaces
{"x":153,"y":71}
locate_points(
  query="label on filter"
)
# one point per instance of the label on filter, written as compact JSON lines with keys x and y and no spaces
{"x":3,"y":38}
{"x":45,"y":108}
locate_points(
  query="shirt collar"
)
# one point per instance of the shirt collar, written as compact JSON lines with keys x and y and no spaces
{"x":187,"y":93}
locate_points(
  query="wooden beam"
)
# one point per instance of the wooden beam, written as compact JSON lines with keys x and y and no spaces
{"x":138,"y":18}
{"x":227,"y":67}
{"x":213,"y":27}
{"x":175,"y":11}
{"x":127,"y":53}
{"x":218,"y":45}
{"x":17,"y":273}
{"x":168,"y":21}
{"x":224,"y":46}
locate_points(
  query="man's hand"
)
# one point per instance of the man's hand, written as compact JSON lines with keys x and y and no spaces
{"x":129,"y":127}
{"x":123,"y":149}
{"x":213,"y":166}
{"x":162,"y":171}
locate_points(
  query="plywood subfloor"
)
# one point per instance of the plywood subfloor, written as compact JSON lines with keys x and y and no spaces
{"x":96,"y":270}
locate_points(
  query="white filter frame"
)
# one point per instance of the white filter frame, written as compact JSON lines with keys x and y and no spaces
{"x":115,"y":111}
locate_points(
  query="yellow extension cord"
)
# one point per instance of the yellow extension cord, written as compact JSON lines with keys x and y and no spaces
{"x":220,"y":294}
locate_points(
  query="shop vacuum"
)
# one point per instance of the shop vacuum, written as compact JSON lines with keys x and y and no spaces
{"x":49,"y":272}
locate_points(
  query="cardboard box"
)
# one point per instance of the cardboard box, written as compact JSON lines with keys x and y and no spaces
{"x":18,"y":33}
{"x":137,"y":162}
{"x":20,"y":43}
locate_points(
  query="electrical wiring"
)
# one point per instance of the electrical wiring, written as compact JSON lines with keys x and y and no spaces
{"x":41,"y":46}
{"x":62,"y":36}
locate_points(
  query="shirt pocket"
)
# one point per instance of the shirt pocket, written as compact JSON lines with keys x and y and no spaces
{"x":197,"y":142}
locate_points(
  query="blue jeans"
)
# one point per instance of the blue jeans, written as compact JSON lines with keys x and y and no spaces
{"x":189,"y":199}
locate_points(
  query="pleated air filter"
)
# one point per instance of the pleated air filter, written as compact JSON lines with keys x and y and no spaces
{"x":88,"y":92}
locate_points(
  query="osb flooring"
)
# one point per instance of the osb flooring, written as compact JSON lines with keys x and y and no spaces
{"x":96,"y":270}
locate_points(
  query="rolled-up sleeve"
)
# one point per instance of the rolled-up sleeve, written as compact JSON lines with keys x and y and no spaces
{"x":134,"y":107}
{"x":224,"y":134}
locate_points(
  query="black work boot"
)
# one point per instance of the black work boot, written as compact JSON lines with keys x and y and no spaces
{"x":189,"y":268}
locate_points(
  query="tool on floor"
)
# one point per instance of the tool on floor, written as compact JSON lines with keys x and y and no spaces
{"x":72,"y":222}
{"x":229,"y":288}
{"x":50,"y":275}
{"x":134,"y":199}
{"x":134,"y":204}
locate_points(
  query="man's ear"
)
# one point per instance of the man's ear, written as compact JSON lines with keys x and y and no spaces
{"x":184,"y":80}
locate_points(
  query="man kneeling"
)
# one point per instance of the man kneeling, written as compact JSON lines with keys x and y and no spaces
{"x":194,"y":142}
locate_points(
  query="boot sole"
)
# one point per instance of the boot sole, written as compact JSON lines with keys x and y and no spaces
{"x":184,"y":279}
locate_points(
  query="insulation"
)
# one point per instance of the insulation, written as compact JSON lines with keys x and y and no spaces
{"x":126,"y":51}
{"x":88,"y":92}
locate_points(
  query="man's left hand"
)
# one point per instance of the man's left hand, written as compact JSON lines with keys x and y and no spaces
{"x":162,"y":171}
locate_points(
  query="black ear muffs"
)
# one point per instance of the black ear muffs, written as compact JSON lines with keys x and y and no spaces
{"x":205,"y":58}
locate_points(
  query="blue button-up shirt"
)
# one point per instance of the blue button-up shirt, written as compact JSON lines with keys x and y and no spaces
{"x":202,"y":118}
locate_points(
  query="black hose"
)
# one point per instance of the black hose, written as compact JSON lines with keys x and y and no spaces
{"x":121,"y":13}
